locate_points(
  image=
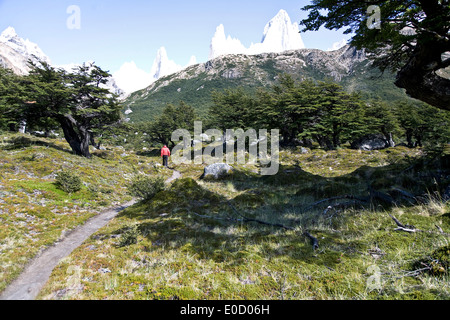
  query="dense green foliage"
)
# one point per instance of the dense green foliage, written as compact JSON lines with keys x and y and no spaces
{"x":323,"y":112}
{"x":145,"y":187}
{"x":308,"y":113}
{"x":10,"y":99}
{"x":68,"y":181}
{"x":196,"y":89}
{"x":50,"y":98}
{"x":408,"y":37}
{"x":173,"y":117}
{"x":195,"y":92}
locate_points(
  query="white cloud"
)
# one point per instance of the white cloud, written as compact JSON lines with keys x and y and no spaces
{"x":130,"y":78}
{"x":192,"y":61}
{"x":338,"y":45}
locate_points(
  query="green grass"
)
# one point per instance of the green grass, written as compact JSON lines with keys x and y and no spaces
{"x":34,"y":212}
{"x":188,"y":243}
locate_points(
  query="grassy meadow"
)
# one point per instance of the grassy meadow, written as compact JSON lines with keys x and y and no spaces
{"x":241,"y":237}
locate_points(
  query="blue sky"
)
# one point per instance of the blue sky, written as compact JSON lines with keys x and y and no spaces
{"x":113,"y":32}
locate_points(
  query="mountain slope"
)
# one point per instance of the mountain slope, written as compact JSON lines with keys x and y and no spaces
{"x":195,"y":84}
{"x":280,"y":34}
{"x":15,"y":52}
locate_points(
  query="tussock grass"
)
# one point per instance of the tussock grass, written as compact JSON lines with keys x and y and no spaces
{"x":191,"y":245}
{"x":34,"y":212}
{"x":186,"y":242}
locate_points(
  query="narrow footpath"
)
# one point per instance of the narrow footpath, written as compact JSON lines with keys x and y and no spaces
{"x":28,"y":285}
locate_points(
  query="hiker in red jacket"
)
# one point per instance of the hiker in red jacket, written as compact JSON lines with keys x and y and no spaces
{"x":165,"y":154}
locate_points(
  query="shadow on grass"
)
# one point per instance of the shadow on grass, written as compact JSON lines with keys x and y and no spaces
{"x":21,"y":142}
{"x":189,"y":217}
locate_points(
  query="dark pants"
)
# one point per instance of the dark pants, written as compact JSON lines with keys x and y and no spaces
{"x":165,"y":161}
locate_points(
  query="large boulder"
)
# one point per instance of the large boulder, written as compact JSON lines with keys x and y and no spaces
{"x":372,"y":142}
{"x":217,"y":171}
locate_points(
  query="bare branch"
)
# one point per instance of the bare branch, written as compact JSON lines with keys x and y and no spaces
{"x":413,"y":229}
{"x":314,"y":241}
{"x":401,"y":227}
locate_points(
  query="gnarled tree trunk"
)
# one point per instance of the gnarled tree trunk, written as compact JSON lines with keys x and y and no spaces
{"x":76,"y":135}
{"x":419,"y":76}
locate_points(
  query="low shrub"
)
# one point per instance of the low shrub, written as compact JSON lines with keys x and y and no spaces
{"x":129,"y":237}
{"x":68,"y":181}
{"x":145,"y":187}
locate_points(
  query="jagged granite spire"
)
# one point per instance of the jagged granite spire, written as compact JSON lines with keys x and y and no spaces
{"x":279,"y":35}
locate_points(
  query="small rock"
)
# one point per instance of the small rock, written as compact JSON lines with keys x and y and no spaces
{"x":104,"y":270}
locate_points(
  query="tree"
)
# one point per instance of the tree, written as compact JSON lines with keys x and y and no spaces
{"x":172,"y":118}
{"x":423,"y":125}
{"x":338,"y":116}
{"x":288,"y":106}
{"x":10,"y":99}
{"x":302,"y":111}
{"x":76,"y":101}
{"x":411,"y":39}
{"x":232,"y":109}
{"x":307,"y":111}
{"x":380,"y":118}
{"x":410,"y":122}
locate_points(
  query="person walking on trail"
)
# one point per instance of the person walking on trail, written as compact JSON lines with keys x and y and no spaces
{"x":165,"y":154}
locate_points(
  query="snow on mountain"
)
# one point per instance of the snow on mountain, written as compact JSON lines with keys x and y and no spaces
{"x":15,"y":52}
{"x":163,"y":66}
{"x":8,"y":34}
{"x":280,"y":35}
{"x":131,"y":78}
{"x":192,"y":61}
{"x":222,"y":45}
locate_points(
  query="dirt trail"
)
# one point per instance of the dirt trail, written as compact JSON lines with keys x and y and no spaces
{"x":28,"y":285}
{"x":176,"y":175}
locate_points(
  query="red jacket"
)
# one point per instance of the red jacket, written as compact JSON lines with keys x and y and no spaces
{"x":165,"y":152}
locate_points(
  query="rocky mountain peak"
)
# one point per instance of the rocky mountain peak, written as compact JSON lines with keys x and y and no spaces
{"x":279,"y":35}
{"x":8,"y":34}
{"x":16,"y":51}
{"x":163,"y":66}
